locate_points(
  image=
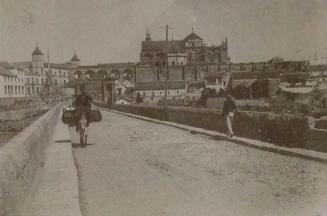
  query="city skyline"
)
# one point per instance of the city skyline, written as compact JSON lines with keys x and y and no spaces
{"x":112,"y":31}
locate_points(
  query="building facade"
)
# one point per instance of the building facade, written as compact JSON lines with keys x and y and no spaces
{"x":43,"y":76}
{"x":190,"y":50}
{"x":12,"y":81}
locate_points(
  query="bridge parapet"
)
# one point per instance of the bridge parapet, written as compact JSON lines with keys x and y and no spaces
{"x":21,"y":158}
{"x":290,"y":130}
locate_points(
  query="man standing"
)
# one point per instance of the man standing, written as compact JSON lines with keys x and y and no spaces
{"x":229,"y":111}
{"x":83,"y":104}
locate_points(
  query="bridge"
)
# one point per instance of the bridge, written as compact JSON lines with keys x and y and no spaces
{"x":136,"y":165}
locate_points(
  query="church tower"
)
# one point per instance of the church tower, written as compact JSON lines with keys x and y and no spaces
{"x":75,"y":60}
{"x":37,"y":60}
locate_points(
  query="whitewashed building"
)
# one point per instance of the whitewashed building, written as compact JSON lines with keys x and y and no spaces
{"x":43,"y":76}
{"x":156,"y":90}
{"x":12,"y":81}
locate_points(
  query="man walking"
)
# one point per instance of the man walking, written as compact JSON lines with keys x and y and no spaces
{"x":83,"y":104}
{"x":229,"y":111}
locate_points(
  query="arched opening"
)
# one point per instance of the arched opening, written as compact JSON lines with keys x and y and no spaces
{"x":89,"y":74}
{"x":128,"y":74}
{"x":115,"y":73}
{"x":78,"y":75}
{"x":102,"y":74}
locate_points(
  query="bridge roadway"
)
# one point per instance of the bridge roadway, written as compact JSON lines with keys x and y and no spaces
{"x":133,"y":167}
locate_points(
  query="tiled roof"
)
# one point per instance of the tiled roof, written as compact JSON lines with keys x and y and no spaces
{"x":5,"y":72}
{"x":171,"y":85}
{"x":37,"y":51}
{"x":67,"y":65}
{"x":161,"y":46}
{"x":193,"y":36}
{"x":23,"y":64}
{"x":6,"y":65}
{"x":276,"y":59}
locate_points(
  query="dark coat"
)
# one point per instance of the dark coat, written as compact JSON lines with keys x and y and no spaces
{"x":229,"y":106}
{"x":83,"y":100}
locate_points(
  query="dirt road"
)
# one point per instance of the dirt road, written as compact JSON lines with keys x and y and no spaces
{"x":137,"y":168}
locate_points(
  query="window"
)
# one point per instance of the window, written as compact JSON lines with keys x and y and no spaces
{"x":15,"y":89}
{"x":177,"y":92}
{"x":5,"y":89}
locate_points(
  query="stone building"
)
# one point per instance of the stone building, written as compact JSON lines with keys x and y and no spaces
{"x":12,"y":81}
{"x":190,"y":50}
{"x":42,"y":76}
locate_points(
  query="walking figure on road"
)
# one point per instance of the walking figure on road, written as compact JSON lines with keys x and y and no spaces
{"x":83,"y":115}
{"x":229,"y":111}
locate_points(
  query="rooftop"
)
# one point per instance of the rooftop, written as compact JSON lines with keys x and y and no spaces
{"x":193,"y":36}
{"x":161,"y":46}
{"x":6,"y":72}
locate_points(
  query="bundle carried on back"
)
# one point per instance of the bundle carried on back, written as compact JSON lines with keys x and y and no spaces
{"x":70,"y":115}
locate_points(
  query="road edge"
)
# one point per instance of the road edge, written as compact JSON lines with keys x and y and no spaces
{"x":293,"y":152}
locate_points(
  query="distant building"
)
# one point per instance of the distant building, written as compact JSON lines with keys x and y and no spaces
{"x":12,"y":81}
{"x":43,"y":76}
{"x":156,"y":90}
{"x":191,"y":50}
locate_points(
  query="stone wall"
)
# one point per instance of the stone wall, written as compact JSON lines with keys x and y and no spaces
{"x":20,"y":159}
{"x":285,"y":130}
{"x":19,"y":114}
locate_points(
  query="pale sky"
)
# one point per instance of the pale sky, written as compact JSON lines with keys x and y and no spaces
{"x":104,"y":31}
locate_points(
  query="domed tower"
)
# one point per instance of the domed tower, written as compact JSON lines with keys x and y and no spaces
{"x":75,"y":60}
{"x":37,"y":60}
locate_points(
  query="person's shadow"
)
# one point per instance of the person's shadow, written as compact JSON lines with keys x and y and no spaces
{"x":78,"y":145}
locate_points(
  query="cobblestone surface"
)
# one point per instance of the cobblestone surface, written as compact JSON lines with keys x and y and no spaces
{"x":133,"y":167}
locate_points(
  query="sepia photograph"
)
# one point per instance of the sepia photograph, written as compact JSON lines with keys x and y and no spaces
{"x":163,"y":107}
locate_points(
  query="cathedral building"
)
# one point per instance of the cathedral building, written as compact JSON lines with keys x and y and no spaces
{"x":190,"y":50}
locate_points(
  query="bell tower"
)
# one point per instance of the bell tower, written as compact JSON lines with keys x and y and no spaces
{"x":37,"y":60}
